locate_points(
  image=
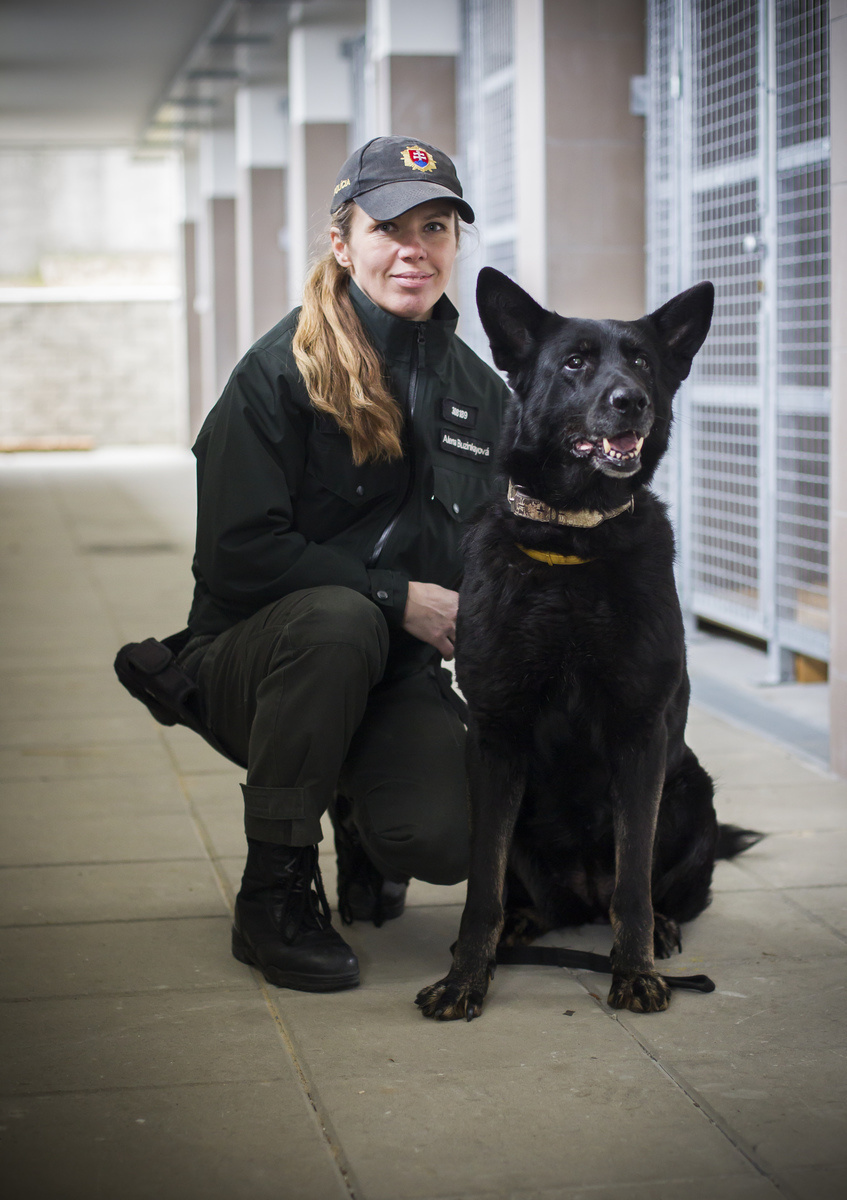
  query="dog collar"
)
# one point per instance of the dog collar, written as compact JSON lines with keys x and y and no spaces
{"x":523,"y":505}
{"x":555,"y":560}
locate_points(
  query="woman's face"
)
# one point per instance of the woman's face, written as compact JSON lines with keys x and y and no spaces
{"x":404,"y":264}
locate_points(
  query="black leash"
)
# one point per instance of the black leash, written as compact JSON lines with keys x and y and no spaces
{"x":558,"y":956}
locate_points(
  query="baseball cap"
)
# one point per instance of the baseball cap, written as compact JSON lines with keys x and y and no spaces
{"x":389,"y":175}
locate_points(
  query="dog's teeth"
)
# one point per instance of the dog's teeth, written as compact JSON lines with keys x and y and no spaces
{"x":611,"y":452}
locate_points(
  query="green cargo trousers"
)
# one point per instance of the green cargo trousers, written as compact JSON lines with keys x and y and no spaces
{"x":296,"y":691}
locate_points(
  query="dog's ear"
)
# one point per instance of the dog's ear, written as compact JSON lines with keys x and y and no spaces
{"x":510,"y":317}
{"x":682,"y":324}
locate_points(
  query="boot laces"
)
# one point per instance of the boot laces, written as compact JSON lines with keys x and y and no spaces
{"x":300,"y":899}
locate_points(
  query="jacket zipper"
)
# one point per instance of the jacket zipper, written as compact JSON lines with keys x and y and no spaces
{"x":412,"y":397}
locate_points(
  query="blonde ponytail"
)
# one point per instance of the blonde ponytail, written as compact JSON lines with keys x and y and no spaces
{"x":344,"y":374}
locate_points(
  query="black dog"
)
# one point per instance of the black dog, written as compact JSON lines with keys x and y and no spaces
{"x":586,"y":802}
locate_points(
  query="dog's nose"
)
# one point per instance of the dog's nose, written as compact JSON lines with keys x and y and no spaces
{"x":628,"y":400}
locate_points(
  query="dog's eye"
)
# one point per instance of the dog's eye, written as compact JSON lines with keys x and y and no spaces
{"x":641,"y":362}
{"x":574,"y":362}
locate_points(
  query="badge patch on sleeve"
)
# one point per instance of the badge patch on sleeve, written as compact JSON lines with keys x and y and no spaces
{"x":459,"y":414}
{"x":464,"y":445}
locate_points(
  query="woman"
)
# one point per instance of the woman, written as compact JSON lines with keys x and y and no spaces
{"x":334,"y":476}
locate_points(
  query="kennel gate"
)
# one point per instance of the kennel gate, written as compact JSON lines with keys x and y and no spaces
{"x":486,"y":135}
{"x":738,"y":192}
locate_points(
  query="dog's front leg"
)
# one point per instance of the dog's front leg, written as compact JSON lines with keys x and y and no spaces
{"x":637,"y":790}
{"x":496,"y":783}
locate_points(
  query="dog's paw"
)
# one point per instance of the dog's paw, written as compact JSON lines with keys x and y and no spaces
{"x":521,"y":926}
{"x":450,"y":1000}
{"x":642,"y":993}
{"x":666,"y":936}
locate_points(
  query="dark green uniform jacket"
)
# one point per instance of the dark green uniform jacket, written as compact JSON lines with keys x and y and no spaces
{"x":281,"y":505}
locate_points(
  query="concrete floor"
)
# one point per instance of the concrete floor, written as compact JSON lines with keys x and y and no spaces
{"x":139,"y":1060}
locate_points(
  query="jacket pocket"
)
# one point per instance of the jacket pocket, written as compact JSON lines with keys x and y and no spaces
{"x":461,"y":494}
{"x":330,"y":467}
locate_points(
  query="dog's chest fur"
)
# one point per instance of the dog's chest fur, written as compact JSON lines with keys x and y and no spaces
{"x":570,"y":649}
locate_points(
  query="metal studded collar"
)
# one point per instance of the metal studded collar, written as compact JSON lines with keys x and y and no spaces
{"x":523,"y":505}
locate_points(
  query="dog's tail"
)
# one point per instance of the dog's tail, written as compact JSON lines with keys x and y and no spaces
{"x":733,"y":840}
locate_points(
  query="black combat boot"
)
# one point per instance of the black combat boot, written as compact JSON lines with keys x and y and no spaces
{"x":364,"y":894}
{"x":282,"y":921}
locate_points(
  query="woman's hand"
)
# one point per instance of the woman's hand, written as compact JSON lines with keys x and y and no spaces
{"x":431,"y":616}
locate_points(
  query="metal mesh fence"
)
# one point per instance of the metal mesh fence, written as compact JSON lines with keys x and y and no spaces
{"x":802,"y":51}
{"x":803,"y":276}
{"x":497,"y":136}
{"x":802,"y":318}
{"x":487,"y":138}
{"x":723,"y":218}
{"x":725,"y":494}
{"x":726,"y":66}
{"x":738,"y":192}
{"x":662,"y":68}
{"x":802,"y":523}
{"x":725,"y":490}
{"x":663,"y":264}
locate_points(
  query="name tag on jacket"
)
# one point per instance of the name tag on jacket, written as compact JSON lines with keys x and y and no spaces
{"x":465,"y":445}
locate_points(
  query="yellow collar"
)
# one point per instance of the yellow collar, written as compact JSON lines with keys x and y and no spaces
{"x":555,"y":560}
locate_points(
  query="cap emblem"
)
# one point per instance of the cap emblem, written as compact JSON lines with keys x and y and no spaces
{"x":418,"y":159}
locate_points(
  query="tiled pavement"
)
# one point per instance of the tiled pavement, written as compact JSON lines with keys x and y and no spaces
{"x":139,"y":1060}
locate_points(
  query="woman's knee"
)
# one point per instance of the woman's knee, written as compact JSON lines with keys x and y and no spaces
{"x":437,"y":856}
{"x":333,"y":621}
{"x":338,"y":616}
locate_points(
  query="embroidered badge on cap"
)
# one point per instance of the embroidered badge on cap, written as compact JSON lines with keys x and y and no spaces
{"x":459,"y":414}
{"x":418,"y":159}
{"x":467,"y":447}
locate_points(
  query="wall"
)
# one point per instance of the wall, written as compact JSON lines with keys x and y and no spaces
{"x":89,"y":313}
{"x":104,"y":371}
{"x":594,"y":157}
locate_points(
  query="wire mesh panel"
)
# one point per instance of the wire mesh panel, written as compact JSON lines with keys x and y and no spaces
{"x":738,"y":192}
{"x":725,"y":221}
{"x":803,"y":276}
{"x":726,"y":67}
{"x":802,"y":51}
{"x":803,"y":529}
{"x":723,"y":529}
{"x":802,"y":318}
{"x":498,"y":186}
{"x":487,"y":101}
{"x":663,"y":260}
{"x":663,"y":70}
{"x":724,"y":477}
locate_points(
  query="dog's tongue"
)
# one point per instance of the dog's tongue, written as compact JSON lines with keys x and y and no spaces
{"x":623,"y":444}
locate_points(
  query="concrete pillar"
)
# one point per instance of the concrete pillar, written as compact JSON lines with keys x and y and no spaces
{"x":189,"y":227}
{"x":575,"y":58}
{"x":838,"y":436}
{"x":216,"y":298}
{"x":261,"y":152}
{"x":414,"y":63}
{"x":320,"y":108}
